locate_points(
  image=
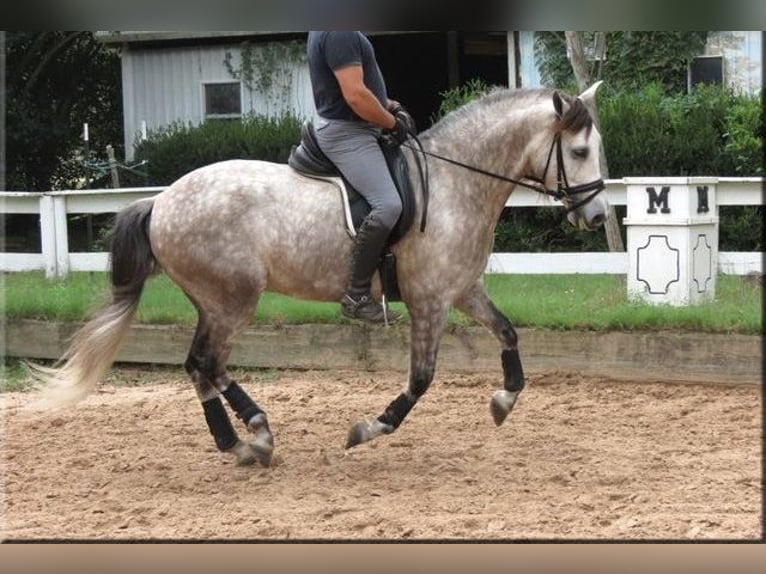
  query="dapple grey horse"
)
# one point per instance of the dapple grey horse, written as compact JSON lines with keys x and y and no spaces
{"x":227,"y":232}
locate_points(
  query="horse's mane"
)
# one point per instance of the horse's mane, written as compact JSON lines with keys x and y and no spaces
{"x":576,"y":118}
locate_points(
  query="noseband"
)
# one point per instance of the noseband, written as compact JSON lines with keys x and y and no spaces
{"x":563,"y":190}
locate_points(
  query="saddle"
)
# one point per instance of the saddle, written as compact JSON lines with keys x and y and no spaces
{"x":309,"y":160}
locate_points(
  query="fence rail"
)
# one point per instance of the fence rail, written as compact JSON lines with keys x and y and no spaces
{"x":56,"y":260}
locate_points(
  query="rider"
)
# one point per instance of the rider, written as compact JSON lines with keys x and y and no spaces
{"x":352,"y":102}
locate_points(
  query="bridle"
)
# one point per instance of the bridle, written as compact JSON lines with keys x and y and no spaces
{"x":563,"y":190}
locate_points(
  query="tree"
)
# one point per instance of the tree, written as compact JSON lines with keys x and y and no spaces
{"x":582,"y":74}
{"x":628,"y":59}
{"x":56,"y":81}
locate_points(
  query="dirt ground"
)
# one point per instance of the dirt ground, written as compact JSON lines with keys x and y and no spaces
{"x":579,"y":458}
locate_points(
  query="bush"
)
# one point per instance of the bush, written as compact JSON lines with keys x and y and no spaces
{"x":711,"y":131}
{"x":179,"y":149}
{"x":460,"y":95}
{"x":543,"y":229}
{"x":743,"y":137}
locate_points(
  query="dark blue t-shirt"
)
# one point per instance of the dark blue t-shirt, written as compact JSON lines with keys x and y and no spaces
{"x":328,"y":51}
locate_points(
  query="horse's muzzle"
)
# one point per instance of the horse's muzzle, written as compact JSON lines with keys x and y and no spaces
{"x":585,"y":221}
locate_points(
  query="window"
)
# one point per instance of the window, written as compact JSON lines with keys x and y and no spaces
{"x":706,"y":70}
{"x":223,"y":100}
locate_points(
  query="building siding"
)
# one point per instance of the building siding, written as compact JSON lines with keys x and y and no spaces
{"x":164,"y":86}
{"x":530,"y":77}
{"x":743,"y":58}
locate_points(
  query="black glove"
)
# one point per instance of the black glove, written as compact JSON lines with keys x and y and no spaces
{"x":405,"y":125}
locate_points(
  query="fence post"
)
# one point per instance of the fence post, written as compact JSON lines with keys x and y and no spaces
{"x":62,"y":236}
{"x":48,"y":235}
{"x":672,"y":239}
{"x":113,"y":166}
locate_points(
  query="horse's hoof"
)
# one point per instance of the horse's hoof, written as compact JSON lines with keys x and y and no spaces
{"x":501,"y":405}
{"x":262,"y":443}
{"x":358,"y":434}
{"x":262,"y":449}
{"x":244,"y":454}
{"x":365,"y":431}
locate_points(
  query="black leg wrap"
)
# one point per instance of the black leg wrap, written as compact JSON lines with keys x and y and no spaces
{"x":241,"y":402}
{"x":219,"y":424}
{"x":512,"y":371}
{"x":397,"y":410}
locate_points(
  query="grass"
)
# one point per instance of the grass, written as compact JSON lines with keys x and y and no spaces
{"x":13,"y":376}
{"x":562,"y":302}
{"x":600,"y":303}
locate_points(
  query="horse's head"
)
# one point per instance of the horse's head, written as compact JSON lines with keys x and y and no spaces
{"x":567,"y":160}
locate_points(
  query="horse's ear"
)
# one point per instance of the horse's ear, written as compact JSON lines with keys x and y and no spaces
{"x":588,"y":97}
{"x":559,"y":105}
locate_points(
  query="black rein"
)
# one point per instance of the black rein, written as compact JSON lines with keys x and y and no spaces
{"x":563,"y":189}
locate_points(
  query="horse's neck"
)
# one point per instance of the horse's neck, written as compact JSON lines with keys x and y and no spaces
{"x":495,"y":146}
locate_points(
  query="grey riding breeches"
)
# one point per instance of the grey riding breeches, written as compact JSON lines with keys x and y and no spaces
{"x":353,"y":147}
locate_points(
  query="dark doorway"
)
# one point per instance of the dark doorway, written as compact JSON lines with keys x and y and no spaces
{"x":420,"y":66}
{"x":484,"y":56}
{"x":415,"y":68}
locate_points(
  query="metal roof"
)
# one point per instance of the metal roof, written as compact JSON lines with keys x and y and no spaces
{"x":120,"y":37}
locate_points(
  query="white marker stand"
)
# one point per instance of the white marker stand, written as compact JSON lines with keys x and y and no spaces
{"x":672,"y":227}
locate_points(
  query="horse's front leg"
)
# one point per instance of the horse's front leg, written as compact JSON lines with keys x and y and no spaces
{"x":426,"y":330}
{"x":476,"y":303}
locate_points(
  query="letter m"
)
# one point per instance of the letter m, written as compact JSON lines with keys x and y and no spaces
{"x":656,"y":200}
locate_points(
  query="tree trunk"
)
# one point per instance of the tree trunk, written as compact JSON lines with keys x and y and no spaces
{"x":582,"y":75}
{"x":577,"y":59}
{"x":2,"y":120}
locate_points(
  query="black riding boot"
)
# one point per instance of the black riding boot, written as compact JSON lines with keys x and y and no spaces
{"x":358,"y":303}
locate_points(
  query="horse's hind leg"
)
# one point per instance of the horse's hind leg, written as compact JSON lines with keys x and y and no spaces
{"x":425,"y":332}
{"x":476,"y":304}
{"x":206,"y":364}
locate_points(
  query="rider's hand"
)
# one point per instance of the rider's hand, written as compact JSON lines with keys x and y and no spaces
{"x":405,"y":125}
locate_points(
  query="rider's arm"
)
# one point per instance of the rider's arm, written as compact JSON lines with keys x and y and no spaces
{"x":360,"y":99}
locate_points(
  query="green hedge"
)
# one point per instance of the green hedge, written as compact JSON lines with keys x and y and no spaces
{"x":711,"y":131}
{"x":178,"y":149}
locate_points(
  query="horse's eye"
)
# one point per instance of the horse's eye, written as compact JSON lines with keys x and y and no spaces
{"x":580,"y":152}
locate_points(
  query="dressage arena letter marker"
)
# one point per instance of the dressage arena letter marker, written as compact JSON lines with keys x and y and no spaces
{"x":702,"y":200}
{"x":658,"y":200}
{"x":673,"y":241}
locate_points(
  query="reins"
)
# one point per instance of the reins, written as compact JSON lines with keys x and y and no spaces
{"x":563,"y":189}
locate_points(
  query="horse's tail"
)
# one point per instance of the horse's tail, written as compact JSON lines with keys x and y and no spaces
{"x":94,"y":347}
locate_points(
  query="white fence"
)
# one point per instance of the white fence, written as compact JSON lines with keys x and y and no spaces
{"x":56,"y":259}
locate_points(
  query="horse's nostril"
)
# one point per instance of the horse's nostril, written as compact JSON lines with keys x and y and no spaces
{"x":597,"y":220}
